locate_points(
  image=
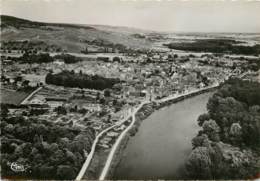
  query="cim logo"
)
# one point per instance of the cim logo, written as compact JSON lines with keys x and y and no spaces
{"x":16,"y":167}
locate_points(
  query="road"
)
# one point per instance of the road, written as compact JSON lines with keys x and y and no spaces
{"x":29,"y":96}
{"x":119,"y":139}
{"x":184,"y":94}
{"x":93,"y":148}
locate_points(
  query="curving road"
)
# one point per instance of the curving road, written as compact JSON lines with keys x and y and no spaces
{"x":93,"y":148}
{"x":113,"y":150}
{"x":119,"y":139}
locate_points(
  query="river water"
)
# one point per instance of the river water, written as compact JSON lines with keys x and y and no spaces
{"x":163,"y":142}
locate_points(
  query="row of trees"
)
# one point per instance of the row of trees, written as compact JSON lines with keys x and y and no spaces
{"x":29,"y":46}
{"x":33,"y":57}
{"x":36,"y":58}
{"x":45,"y":149}
{"x":71,"y":79}
{"x":67,"y":58}
{"x":228,"y":145}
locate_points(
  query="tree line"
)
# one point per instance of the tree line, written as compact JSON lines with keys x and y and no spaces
{"x":216,"y":46}
{"x":34,"y":57}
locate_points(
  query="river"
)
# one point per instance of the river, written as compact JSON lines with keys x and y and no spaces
{"x":163,"y":142}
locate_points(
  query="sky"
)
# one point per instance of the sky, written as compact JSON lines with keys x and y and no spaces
{"x":159,"y":15}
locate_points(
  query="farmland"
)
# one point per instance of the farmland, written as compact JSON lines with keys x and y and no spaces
{"x":13,"y":97}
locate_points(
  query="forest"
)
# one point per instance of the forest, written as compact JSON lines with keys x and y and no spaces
{"x":228,"y":144}
{"x":44,"y":149}
{"x":216,"y":46}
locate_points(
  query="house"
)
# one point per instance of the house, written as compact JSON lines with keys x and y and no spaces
{"x":122,"y":127}
{"x":104,"y":145}
{"x":92,"y":107}
{"x":34,"y":80}
{"x":37,"y":101}
{"x":7,"y":61}
{"x":54,"y":102}
{"x":112,"y":134}
{"x":137,"y":94}
{"x":58,"y":62}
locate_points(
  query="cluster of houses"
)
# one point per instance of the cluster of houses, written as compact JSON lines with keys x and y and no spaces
{"x":19,"y":81}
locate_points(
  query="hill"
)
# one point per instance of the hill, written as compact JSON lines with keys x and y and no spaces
{"x":7,"y":21}
{"x":71,"y":37}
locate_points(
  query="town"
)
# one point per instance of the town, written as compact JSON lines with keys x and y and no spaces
{"x":74,"y":108}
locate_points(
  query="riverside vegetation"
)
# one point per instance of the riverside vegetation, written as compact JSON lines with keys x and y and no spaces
{"x":228,"y":145}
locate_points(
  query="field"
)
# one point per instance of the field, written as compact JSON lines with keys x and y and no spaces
{"x":13,"y":97}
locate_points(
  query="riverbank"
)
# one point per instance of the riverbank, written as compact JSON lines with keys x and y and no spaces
{"x":141,"y":115}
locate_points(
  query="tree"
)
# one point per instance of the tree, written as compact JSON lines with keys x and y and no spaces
{"x":4,"y":110}
{"x":211,"y":128}
{"x":235,"y":134}
{"x":25,"y":83}
{"x":202,"y":118}
{"x":98,"y":96}
{"x":9,"y":128}
{"x":18,"y":78}
{"x":46,"y":171}
{"x":60,"y":110}
{"x":102,"y":101}
{"x":114,"y":102}
{"x":200,"y":140}
{"x":65,"y":172}
{"x":199,"y":164}
{"x":116,"y":59}
{"x":107,"y":93}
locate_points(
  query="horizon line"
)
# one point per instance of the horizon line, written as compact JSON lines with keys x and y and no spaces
{"x":131,"y":27}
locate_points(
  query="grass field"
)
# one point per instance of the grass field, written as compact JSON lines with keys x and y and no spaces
{"x":13,"y":97}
